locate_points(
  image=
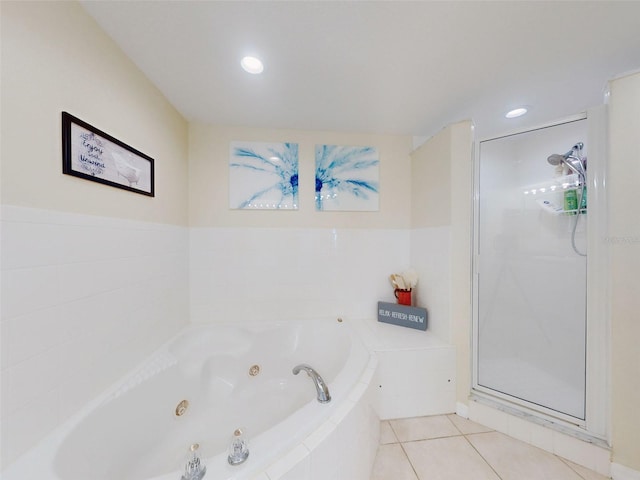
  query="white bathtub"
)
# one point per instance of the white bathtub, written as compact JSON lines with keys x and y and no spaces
{"x":133,"y":433}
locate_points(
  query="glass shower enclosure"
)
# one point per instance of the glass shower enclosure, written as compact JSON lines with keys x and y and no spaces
{"x":530,"y":266}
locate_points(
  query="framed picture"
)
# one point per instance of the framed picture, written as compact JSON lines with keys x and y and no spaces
{"x":91,"y":154}
{"x":347,"y":178}
{"x":263,"y":176}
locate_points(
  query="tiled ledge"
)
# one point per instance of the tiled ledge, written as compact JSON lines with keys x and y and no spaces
{"x":381,"y":337}
{"x":416,"y":371}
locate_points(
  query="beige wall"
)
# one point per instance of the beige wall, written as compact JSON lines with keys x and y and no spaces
{"x":55,"y":58}
{"x":442,"y":185}
{"x":209,"y":179}
{"x":431,"y":182}
{"x":461,"y":253}
{"x":624,"y":241}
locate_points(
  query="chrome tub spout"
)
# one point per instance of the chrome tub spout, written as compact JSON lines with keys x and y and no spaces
{"x":321,"y":387}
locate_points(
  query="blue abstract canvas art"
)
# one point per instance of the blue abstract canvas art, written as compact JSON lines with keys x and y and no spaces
{"x":263,"y":176}
{"x":347,"y":178}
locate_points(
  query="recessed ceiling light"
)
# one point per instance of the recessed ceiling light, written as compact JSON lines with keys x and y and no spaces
{"x":252,"y":65}
{"x":516,"y":112}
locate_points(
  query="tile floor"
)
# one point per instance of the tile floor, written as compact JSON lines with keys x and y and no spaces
{"x":449,"y":447}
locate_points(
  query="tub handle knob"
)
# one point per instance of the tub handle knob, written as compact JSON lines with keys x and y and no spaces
{"x":194,"y":468}
{"x":239,"y":448}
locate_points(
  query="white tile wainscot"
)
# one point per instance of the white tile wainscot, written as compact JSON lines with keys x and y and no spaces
{"x":84,"y":299}
{"x":279,"y":274}
{"x":416,"y":371}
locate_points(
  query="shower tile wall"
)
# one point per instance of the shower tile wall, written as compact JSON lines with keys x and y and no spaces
{"x":83,"y":300}
{"x":292,"y":273}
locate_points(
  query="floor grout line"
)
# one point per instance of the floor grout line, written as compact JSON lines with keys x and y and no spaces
{"x":565,"y":461}
{"x":430,"y":438}
{"x":482,"y":456}
{"x":450,"y":436}
{"x":410,"y":463}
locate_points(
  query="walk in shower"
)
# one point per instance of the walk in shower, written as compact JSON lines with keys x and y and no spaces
{"x":532,"y":202}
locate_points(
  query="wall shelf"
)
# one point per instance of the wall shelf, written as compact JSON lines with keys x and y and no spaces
{"x":555,"y":184}
{"x":544,"y":192}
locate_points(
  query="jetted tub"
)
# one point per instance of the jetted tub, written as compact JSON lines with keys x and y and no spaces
{"x":232,"y":377}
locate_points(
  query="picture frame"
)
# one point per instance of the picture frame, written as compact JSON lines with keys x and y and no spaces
{"x":92,"y":154}
{"x":263,"y":175}
{"x":347,"y":178}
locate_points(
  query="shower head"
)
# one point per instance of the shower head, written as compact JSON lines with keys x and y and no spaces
{"x":577,"y":166}
{"x":570,"y":160}
{"x":574,"y":163}
{"x":556,"y":159}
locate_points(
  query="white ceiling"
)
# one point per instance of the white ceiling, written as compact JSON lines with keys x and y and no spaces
{"x":383,"y":67}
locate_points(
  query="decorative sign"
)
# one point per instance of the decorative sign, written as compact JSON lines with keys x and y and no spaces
{"x":405,"y":316}
{"x":91,"y":154}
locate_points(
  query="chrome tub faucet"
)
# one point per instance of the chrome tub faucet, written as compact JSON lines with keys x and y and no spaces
{"x":321,"y":387}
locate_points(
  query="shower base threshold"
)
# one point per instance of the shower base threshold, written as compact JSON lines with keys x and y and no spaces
{"x":555,"y":436}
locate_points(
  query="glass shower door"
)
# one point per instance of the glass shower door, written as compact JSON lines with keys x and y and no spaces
{"x":530,"y":272}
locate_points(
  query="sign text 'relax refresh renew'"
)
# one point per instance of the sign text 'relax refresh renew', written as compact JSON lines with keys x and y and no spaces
{"x":405,"y":316}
